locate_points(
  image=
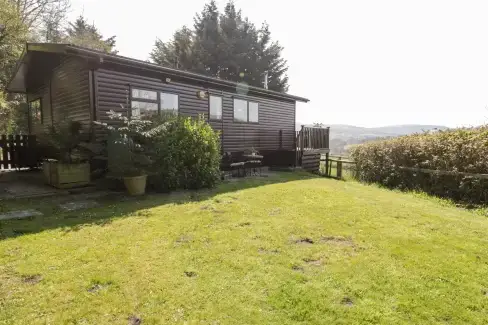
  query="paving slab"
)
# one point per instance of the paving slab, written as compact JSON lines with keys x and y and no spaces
{"x":78,"y":205}
{"x":20,"y":214}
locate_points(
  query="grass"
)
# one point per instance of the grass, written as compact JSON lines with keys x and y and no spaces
{"x":283,"y":250}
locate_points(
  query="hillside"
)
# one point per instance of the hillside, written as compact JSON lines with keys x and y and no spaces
{"x":342,"y":135}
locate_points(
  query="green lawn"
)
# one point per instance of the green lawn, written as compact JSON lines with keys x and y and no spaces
{"x":283,"y":250}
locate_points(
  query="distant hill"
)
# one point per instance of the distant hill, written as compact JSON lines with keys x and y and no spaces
{"x":342,"y":135}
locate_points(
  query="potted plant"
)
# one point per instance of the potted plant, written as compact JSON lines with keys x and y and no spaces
{"x":126,"y":154}
{"x":68,"y":165}
{"x":128,"y":160}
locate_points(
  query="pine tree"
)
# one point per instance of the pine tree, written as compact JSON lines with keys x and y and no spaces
{"x":177,"y":53}
{"x":227,"y":46}
{"x":270,"y":61}
{"x":207,"y":46}
{"x":81,"y":33}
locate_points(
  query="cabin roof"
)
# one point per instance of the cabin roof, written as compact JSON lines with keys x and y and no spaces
{"x":17,"y":83}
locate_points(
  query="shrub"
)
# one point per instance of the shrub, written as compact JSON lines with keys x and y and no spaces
{"x":185,"y":153}
{"x":126,"y":151}
{"x":64,"y":141}
{"x":457,"y":150}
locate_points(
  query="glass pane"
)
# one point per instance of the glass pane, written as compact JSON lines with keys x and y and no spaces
{"x":240,"y":110}
{"x":253,"y":112}
{"x":144,"y":94}
{"x":144,"y":108}
{"x":215,"y":107}
{"x":169,"y":102}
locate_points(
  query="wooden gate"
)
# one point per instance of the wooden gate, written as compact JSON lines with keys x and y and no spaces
{"x":18,"y":151}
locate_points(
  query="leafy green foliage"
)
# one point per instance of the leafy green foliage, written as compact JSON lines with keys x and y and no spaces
{"x":12,"y":39}
{"x":63,"y":142}
{"x":126,"y":151}
{"x":186,"y":154}
{"x":458,"y":150}
{"x":227,"y":46}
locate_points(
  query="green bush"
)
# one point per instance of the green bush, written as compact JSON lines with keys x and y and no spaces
{"x":457,"y":150}
{"x":185,"y":154}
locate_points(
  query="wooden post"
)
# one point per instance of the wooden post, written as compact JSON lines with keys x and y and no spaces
{"x":4,"y":146}
{"x":11,"y":150}
{"x":302,"y":139}
{"x":281,"y":139}
{"x":327,"y":172}
{"x":327,"y":139}
{"x":339,"y":169}
{"x":16,"y":161}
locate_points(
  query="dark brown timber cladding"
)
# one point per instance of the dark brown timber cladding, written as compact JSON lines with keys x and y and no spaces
{"x":64,"y":95}
{"x":112,"y":91}
{"x":70,"y":92}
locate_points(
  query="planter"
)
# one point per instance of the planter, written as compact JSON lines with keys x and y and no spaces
{"x":136,"y":185}
{"x":63,"y":175}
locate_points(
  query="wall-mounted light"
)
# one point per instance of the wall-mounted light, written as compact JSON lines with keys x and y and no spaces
{"x":167,"y":80}
{"x":202,"y":94}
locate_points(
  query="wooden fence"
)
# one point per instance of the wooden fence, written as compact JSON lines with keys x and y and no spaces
{"x":338,"y":167}
{"x":18,"y":151}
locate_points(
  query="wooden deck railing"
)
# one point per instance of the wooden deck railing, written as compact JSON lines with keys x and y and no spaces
{"x":311,"y":139}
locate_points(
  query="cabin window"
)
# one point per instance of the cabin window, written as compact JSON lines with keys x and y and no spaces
{"x":240,"y":110}
{"x":144,"y":102}
{"x":253,"y":112}
{"x":215,"y":106}
{"x":245,"y":111}
{"x":144,"y":108}
{"x":169,"y":103}
{"x":148,"y":102}
{"x":35,"y":109}
{"x":144,"y":94}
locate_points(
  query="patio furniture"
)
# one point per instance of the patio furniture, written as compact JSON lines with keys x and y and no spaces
{"x":233,"y":164}
{"x":253,"y":163}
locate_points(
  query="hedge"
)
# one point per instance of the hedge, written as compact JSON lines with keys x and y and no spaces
{"x":456,"y":150}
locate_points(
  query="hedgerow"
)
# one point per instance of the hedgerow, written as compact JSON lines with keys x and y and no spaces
{"x":457,"y":150}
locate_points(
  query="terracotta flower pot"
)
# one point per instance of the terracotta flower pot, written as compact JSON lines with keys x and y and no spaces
{"x":135,"y":185}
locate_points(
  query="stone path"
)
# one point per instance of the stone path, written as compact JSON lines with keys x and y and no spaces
{"x":76,"y":202}
{"x":78,"y":205}
{"x":21,"y":214}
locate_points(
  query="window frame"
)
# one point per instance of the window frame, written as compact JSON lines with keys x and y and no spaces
{"x":247,"y":100}
{"x":144,"y":100}
{"x":31,"y":116}
{"x":169,"y":93}
{"x":221,"y":108}
{"x":248,"y":121}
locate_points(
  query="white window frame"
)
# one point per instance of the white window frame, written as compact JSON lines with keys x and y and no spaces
{"x":247,"y":110}
{"x":142,"y":100}
{"x":213,"y":118}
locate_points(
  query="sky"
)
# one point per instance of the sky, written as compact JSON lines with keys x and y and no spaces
{"x":364,"y":63}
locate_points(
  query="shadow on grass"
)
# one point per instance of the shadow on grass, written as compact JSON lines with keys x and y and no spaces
{"x":119,"y":205}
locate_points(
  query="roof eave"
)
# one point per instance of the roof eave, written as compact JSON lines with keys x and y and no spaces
{"x":117,"y":59}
